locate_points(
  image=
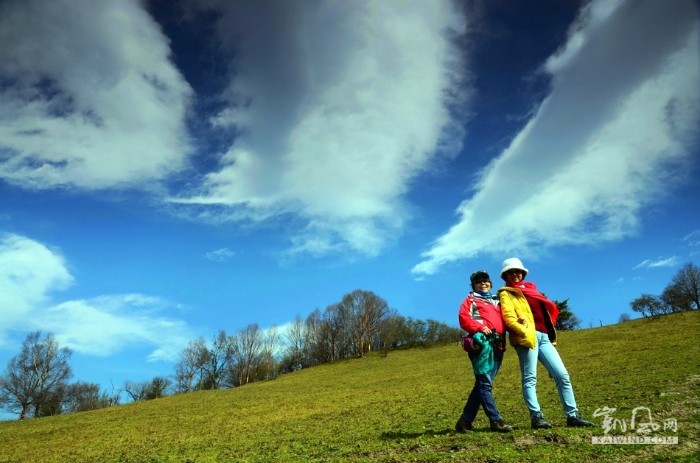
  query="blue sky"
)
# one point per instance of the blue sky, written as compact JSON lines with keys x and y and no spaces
{"x":168,"y":169}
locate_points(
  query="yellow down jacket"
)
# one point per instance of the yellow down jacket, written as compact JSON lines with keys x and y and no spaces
{"x":514,"y":305}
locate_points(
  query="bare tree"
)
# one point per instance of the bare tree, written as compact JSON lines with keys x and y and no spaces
{"x":414,"y":332}
{"x":159,"y":387}
{"x":337,"y":331}
{"x":683,"y":293}
{"x":391,"y":334}
{"x":156,"y":388}
{"x":221,"y":356}
{"x":399,"y":331}
{"x":648,"y":305}
{"x":366,"y":312}
{"x":246,"y":352}
{"x":268,"y":363}
{"x":675,"y":300}
{"x":33,"y":376}
{"x":316,"y":338}
{"x":82,"y":396}
{"x":440,"y":333}
{"x":296,"y":343}
{"x":138,"y":391}
{"x":190,"y":370}
{"x":53,"y":403}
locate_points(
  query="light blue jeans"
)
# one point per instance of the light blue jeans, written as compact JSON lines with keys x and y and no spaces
{"x":546,"y":353}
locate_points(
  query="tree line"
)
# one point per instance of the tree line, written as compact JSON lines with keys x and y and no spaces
{"x":682,"y":294}
{"x":361,"y":322}
{"x":36,"y":382}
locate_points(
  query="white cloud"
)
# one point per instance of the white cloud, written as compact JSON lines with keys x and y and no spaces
{"x":107,"y":324}
{"x":338,"y":110}
{"x":648,"y":263}
{"x":220,"y":255}
{"x":30,"y":272}
{"x":619,"y":123}
{"x":88,"y":97}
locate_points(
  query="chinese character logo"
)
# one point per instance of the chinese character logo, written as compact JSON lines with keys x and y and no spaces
{"x":641,"y":421}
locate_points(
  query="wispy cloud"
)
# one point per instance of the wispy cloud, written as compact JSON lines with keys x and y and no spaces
{"x":220,"y":255}
{"x":620,"y":121}
{"x":338,"y":110}
{"x":692,"y":239}
{"x":30,"y":272}
{"x":89,"y":97}
{"x":648,"y":263}
{"x":107,"y":324}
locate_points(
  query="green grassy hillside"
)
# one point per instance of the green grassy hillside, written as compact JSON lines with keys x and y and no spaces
{"x":402,"y":407}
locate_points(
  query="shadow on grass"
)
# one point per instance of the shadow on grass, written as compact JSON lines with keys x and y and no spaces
{"x":393,"y":435}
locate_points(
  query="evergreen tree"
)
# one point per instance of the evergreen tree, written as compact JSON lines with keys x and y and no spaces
{"x":566,"y":319}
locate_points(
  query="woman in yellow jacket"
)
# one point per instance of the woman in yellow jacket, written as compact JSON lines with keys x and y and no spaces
{"x":530,"y":318}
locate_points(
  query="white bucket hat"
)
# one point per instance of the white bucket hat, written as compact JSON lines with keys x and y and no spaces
{"x":512,"y":263}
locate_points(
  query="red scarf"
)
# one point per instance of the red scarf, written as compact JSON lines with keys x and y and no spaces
{"x":530,"y":290}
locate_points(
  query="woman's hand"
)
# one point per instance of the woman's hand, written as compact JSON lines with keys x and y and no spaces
{"x":486,"y":330}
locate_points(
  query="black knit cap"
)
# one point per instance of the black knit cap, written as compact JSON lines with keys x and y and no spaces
{"x":479,"y":275}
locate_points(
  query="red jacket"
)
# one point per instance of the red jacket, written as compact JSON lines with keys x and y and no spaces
{"x":477,"y":311}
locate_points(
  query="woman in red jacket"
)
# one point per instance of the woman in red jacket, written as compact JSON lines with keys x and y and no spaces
{"x":481,"y":313}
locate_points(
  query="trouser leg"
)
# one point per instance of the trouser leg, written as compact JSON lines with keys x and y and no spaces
{"x":482,"y":394}
{"x":549,"y":356}
{"x":528,"y":373}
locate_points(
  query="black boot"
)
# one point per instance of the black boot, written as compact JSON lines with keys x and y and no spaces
{"x":463,"y":426}
{"x":577,"y":421}
{"x":538,"y":422}
{"x":500,"y":426}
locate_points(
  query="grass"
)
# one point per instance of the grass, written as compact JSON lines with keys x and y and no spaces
{"x":402,"y":407}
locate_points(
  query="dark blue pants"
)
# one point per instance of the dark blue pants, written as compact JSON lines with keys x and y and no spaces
{"x":481,"y":393}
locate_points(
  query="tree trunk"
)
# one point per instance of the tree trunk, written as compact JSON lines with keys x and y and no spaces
{"x":25,"y":407}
